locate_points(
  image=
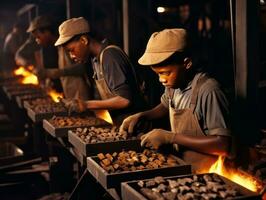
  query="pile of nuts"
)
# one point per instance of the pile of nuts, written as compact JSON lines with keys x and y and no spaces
{"x":202,"y":186}
{"x":95,"y":135}
{"x":25,"y":92}
{"x":46,"y":105}
{"x":38,"y":101}
{"x":31,"y":96}
{"x":77,"y":121}
{"x":132,"y":161}
{"x":19,"y":87}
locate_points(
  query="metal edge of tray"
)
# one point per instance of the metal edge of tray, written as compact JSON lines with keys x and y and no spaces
{"x":79,"y":156}
{"x":92,"y":149}
{"x":63,"y":131}
{"x":20,"y":101}
{"x":114,"y":180}
{"x":129,"y":191}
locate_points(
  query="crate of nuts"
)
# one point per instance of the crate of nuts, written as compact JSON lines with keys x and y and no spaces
{"x":44,"y":108}
{"x":58,"y":126}
{"x":113,"y":168}
{"x":190,"y":187}
{"x":20,"y":92}
{"x":27,"y":97}
{"x":92,"y":140}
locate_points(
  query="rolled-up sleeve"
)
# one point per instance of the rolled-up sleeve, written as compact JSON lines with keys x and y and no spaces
{"x":165,"y":98}
{"x":215,"y":112}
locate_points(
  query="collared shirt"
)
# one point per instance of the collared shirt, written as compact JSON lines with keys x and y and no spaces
{"x":120,"y":76}
{"x":211,"y":106}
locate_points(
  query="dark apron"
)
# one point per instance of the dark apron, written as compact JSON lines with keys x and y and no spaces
{"x":185,"y":121}
{"x":103,"y":89}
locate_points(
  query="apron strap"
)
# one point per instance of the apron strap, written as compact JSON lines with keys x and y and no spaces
{"x":195,"y":92}
{"x":101,"y":58}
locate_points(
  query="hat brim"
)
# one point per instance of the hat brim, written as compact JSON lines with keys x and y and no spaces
{"x":62,"y":40}
{"x":154,"y":58}
{"x":31,"y":29}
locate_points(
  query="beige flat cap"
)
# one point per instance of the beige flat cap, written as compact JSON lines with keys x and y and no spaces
{"x":40,"y":22}
{"x":162,"y":45}
{"x":70,"y":28}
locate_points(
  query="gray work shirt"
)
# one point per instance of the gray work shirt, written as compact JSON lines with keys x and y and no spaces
{"x":211,"y":106}
{"x":120,"y":77}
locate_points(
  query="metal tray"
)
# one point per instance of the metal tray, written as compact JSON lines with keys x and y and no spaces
{"x":21,"y":99}
{"x":38,"y":117}
{"x":62,"y":131}
{"x":103,"y":147}
{"x":80,"y":157}
{"x":113,"y":180}
{"x":130,"y":190}
{"x":13,"y":94}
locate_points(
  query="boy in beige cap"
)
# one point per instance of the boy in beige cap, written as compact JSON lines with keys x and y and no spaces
{"x":197,"y":107}
{"x":114,"y":76}
{"x":57,"y":64}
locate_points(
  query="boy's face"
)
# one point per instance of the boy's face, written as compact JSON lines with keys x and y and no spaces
{"x":171,"y":76}
{"x":78,"y":50}
{"x":43,"y":38}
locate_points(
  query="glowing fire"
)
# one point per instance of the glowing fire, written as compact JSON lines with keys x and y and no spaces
{"x":55,"y":95}
{"x":28,"y":77}
{"x":105,"y":115}
{"x":245,"y":180}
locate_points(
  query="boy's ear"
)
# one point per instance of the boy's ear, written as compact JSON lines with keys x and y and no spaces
{"x":187,"y":63}
{"x":84,"y":40}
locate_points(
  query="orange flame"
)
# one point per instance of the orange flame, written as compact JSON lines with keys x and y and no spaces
{"x":55,"y":95}
{"x":28,"y":77}
{"x":105,"y":115}
{"x":245,"y":180}
{"x":20,"y":71}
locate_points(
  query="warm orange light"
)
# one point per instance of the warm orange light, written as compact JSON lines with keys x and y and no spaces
{"x":105,"y":115}
{"x":236,"y":176}
{"x":55,"y":95}
{"x":20,"y":71}
{"x":31,"y":79}
{"x":28,"y":77}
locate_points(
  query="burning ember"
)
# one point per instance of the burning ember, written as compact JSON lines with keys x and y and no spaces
{"x":28,"y":77}
{"x":105,"y":115}
{"x":236,"y":176}
{"x":55,"y":95}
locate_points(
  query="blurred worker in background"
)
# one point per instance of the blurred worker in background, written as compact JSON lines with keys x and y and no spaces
{"x":55,"y":59}
{"x":12,"y":42}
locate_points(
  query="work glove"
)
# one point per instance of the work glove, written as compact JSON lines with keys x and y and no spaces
{"x":157,"y":137}
{"x":129,"y":123}
{"x":74,"y":105}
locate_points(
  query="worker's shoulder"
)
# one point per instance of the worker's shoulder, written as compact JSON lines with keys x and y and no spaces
{"x":210,"y":85}
{"x":113,"y":51}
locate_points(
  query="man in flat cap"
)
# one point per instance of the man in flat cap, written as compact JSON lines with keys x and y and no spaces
{"x":197,"y":107}
{"x":116,"y":85}
{"x":44,"y":30}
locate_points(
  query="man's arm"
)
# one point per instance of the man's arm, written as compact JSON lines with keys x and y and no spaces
{"x":215,"y":145}
{"x":113,"y":103}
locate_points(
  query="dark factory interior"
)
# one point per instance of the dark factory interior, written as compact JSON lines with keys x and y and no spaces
{"x":132,"y":100}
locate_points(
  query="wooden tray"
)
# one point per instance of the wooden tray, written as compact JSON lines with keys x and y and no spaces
{"x":103,"y":147}
{"x":79,"y":156}
{"x":113,"y":180}
{"x":130,"y":190}
{"x":62,"y":131}
{"x":12,"y":95}
{"x":39,"y":117}
{"x":20,"y":100}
